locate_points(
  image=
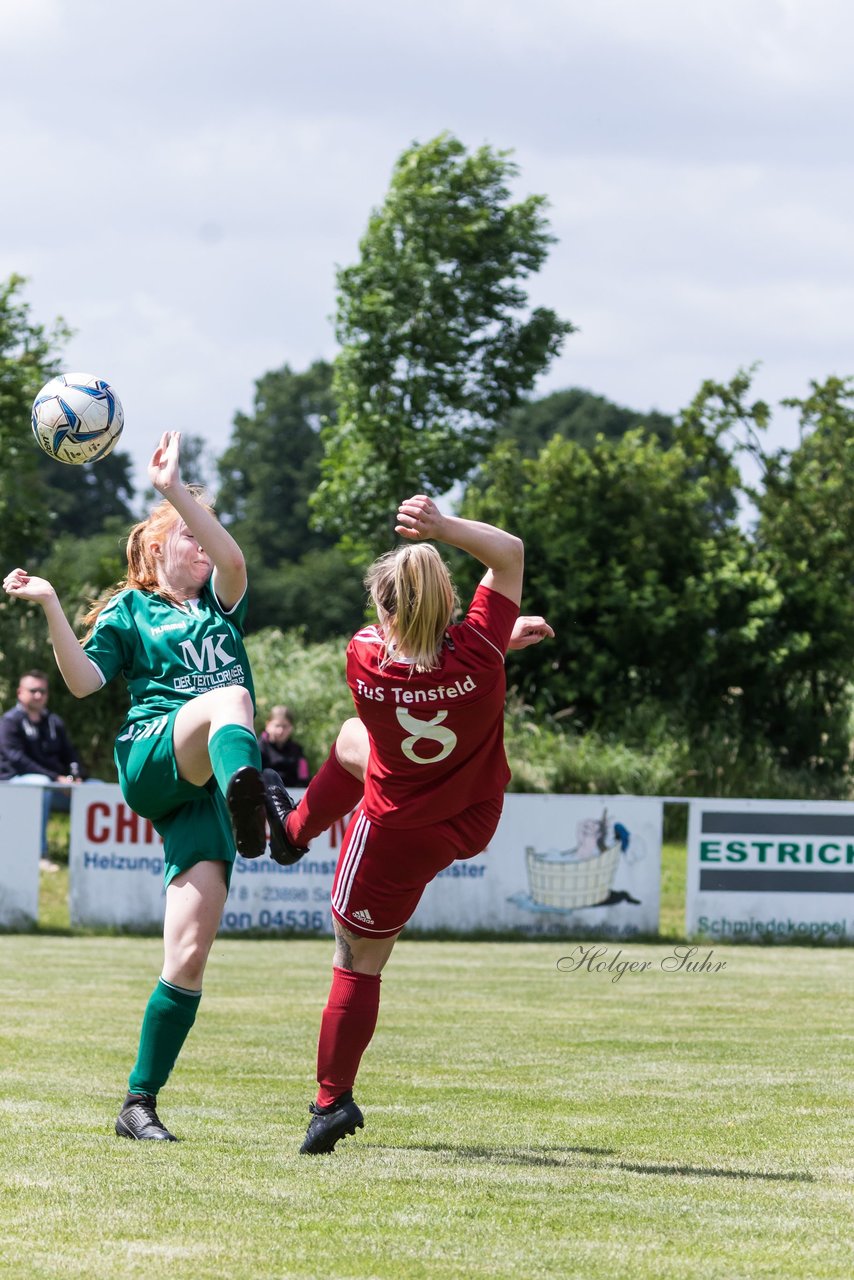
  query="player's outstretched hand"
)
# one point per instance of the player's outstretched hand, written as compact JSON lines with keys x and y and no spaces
{"x":529,"y":630}
{"x":24,"y":586}
{"x":164,"y":469}
{"x":419,"y":518}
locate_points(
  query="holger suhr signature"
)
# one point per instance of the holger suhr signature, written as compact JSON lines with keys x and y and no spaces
{"x":591,"y":958}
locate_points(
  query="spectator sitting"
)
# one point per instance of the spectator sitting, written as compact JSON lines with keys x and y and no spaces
{"x":280,"y":752}
{"x":35,"y":748}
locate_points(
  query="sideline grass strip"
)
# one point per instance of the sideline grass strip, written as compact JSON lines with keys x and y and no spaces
{"x":520,"y":1120}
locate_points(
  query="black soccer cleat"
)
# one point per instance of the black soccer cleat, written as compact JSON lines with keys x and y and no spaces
{"x":138,"y":1119}
{"x":246,"y":800}
{"x":279,"y":805}
{"x":329,"y":1124}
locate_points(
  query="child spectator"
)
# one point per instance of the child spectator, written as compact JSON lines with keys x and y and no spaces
{"x":280,"y":752}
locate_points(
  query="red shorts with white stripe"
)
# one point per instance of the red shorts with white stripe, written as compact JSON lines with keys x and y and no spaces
{"x":383,"y":871}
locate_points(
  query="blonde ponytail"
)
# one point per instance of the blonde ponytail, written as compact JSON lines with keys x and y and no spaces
{"x":415,"y":600}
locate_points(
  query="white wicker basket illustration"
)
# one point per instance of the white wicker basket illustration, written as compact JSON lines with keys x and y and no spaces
{"x":580,"y":877}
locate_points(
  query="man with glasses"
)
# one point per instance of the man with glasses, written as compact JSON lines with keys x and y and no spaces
{"x":35,"y":748}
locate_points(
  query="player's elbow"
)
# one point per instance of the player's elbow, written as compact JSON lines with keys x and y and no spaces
{"x":515,"y":552}
{"x":83,"y":690}
{"x":232,"y":565}
{"x":81,"y":683}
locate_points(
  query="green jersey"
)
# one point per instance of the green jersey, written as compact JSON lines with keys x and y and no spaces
{"x":169,"y":654}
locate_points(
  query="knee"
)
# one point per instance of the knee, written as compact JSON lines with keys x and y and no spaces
{"x":194,"y":975}
{"x":235,"y":702}
{"x":237,"y":693}
{"x":187,"y":958}
{"x":358,"y":954}
{"x":352,"y":747}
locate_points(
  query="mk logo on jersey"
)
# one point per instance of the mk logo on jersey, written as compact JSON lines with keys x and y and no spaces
{"x":212,"y":657}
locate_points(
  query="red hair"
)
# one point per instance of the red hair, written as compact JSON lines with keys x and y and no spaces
{"x":142,"y":574}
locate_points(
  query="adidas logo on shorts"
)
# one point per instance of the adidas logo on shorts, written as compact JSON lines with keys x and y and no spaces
{"x":364,"y":916}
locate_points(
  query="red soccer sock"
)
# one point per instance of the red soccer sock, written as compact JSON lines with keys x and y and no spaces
{"x":346,"y":1029}
{"x":331,"y":794}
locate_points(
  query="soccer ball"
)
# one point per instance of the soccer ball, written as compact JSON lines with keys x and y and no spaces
{"x":77,"y":418}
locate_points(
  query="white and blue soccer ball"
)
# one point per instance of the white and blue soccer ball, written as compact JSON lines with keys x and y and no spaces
{"x":77,"y":418}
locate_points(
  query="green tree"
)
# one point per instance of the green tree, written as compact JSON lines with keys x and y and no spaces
{"x":576,"y":415}
{"x":81,"y":500}
{"x":321,"y":594}
{"x":634,"y":553}
{"x":806,"y":528}
{"x":436,"y":345}
{"x":795,"y":693}
{"x":28,"y":357}
{"x":298,"y":578}
{"x":272,"y":465}
{"x":719,"y":428}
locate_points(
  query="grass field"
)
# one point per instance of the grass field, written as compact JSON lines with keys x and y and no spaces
{"x":523,"y":1118}
{"x":520,"y":1120}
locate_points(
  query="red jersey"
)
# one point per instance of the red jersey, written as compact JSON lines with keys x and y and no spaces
{"x":437,"y":737}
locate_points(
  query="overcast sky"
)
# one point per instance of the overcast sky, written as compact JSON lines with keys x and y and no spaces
{"x":180,"y":180}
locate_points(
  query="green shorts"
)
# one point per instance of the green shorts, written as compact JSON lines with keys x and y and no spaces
{"x":193,"y":821}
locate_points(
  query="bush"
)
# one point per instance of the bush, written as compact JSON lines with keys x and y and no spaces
{"x":546,"y":756}
{"x":309,"y":679}
{"x":654,"y":757}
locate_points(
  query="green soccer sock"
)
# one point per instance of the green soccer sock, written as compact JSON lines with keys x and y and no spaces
{"x":230,"y":748}
{"x":169,"y":1015}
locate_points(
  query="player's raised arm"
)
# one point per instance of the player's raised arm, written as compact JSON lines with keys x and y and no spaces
{"x":164,"y":471}
{"x":503,"y":553}
{"x":74,"y":667}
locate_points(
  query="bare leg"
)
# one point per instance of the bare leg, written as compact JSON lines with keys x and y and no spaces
{"x":199,"y":720}
{"x":352,"y":747}
{"x":358,"y":954}
{"x":194,"y":903}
